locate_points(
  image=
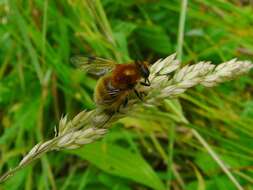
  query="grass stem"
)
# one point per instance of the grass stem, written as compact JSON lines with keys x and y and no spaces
{"x":217,"y":159}
{"x":181,"y":27}
{"x":171,"y":153}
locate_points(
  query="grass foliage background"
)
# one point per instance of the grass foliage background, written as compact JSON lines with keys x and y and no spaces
{"x":38,"y":85}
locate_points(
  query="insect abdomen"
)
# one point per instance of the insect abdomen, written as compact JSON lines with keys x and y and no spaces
{"x":108,"y":97}
{"x":101,"y":91}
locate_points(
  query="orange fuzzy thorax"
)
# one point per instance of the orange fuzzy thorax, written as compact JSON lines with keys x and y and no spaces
{"x":125,"y":76}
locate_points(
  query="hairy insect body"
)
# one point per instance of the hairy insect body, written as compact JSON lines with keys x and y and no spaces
{"x":117,"y":80}
{"x":113,"y":89}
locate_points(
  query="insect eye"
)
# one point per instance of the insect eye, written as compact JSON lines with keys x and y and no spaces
{"x":144,"y":71}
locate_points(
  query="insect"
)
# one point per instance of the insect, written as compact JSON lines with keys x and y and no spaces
{"x":118,"y":81}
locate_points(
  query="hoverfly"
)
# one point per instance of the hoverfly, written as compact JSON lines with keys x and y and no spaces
{"x":117,"y":81}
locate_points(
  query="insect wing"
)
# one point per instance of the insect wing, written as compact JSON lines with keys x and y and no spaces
{"x":94,"y":65}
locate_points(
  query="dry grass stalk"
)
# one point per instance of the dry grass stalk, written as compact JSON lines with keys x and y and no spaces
{"x":88,"y":126}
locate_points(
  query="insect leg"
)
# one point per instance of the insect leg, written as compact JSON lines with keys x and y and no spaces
{"x":125,"y":102}
{"x":138,"y":94}
{"x":146,"y":82}
{"x":118,"y":109}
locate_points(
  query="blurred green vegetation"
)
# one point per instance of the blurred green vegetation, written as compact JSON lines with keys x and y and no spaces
{"x":38,"y":85}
